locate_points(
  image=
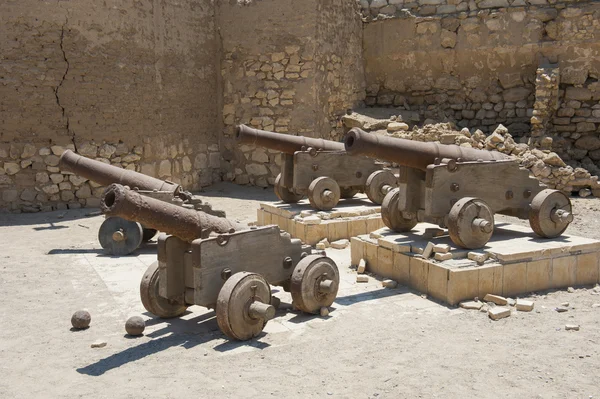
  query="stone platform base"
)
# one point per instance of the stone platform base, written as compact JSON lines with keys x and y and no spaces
{"x":352,"y":217}
{"x":514,"y":262}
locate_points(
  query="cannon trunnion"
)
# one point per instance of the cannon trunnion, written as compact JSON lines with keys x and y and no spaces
{"x":461,"y":189}
{"x":320,"y":169}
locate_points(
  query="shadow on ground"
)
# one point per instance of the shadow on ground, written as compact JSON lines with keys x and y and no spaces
{"x":174,"y":333}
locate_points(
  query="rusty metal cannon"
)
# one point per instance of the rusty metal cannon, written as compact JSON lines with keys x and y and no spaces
{"x":460,"y":189}
{"x":118,"y":236}
{"x":222,"y":265}
{"x":320,"y":169}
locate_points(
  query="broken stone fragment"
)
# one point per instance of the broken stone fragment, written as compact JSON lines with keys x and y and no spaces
{"x":387,"y":283}
{"x":524,"y":305}
{"x":98,"y":344}
{"x":498,"y":312}
{"x":362,"y":266}
{"x":441,"y":248}
{"x":361,"y":278}
{"x":442,"y":256}
{"x":340,"y":244}
{"x":471,"y":305}
{"x":572,"y":327}
{"x":496,"y":299}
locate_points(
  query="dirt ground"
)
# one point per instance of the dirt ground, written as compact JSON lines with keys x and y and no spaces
{"x":384,"y":343}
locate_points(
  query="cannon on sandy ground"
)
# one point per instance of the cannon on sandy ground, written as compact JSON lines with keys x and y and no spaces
{"x":460,"y":189}
{"x":219,"y":264}
{"x":118,"y":236}
{"x":320,"y":169}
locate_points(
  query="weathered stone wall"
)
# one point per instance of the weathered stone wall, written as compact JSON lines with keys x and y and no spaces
{"x":131,"y":83}
{"x":384,"y":9}
{"x":294,"y":72}
{"x":478,"y":68}
{"x":339,"y":79}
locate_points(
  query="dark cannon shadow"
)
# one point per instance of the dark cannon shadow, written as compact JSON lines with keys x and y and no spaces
{"x":176,"y":332}
{"x":144,"y":249}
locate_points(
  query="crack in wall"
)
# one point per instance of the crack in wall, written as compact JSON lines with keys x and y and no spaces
{"x":64,"y":77}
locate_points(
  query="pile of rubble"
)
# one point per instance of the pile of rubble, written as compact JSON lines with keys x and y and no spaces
{"x":545,"y":165}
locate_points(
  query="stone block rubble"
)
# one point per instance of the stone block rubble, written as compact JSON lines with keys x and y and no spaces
{"x":546,"y":165}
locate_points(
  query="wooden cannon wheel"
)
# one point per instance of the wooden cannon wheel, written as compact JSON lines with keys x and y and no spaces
{"x":392,"y":216}
{"x":314,"y":283}
{"x":379,"y":184}
{"x":152,"y":301}
{"x":284,"y":194}
{"x":470,"y":223}
{"x":323,"y":193}
{"x":119,"y":236}
{"x":550,"y":213}
{"x":243,"y":306}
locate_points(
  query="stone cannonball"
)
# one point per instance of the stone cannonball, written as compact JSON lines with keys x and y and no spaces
{"x":81,"y":319}
{"x":135,"y":325}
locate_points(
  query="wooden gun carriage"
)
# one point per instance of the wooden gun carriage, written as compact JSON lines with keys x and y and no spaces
{"x":230,"y":272}
{"x":320,"y":169}
{"x":460,"y":189}
{"x":118,"y":236}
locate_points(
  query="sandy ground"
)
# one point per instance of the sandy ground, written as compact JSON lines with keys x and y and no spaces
{"x":376,"y":342}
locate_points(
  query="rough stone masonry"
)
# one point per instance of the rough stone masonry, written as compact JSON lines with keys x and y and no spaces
{"x":158,"y":86}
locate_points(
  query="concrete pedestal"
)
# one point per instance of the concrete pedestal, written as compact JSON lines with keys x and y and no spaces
{"x":514,"y":262}
{"x":352,"y":217}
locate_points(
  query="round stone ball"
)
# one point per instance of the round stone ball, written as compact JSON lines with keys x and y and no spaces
{"x":135,"y":325}
{"x":81,"y":319}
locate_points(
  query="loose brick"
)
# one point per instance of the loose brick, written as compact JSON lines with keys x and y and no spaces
{"x":498,"y":312}
{"x":362,"y":266}
{"x":471,"y":305}
{"x":340,"y":244}
{"x":441,"y":248}
{"x":524,"y":305}
{"x":428,"y":250}
{"x":497,"y":299}
{"x":478,"y":257}
{"x":442,"y":256}
{"x":361,"y":278}
{"x":387,"y":283}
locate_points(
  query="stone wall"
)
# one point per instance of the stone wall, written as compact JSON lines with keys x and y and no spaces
{"x":294,"y":72}
{"x":385,"y":9}
{"x":131,"y":83}
{"x":479,"y":68}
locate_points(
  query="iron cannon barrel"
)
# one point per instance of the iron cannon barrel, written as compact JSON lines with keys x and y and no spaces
{"x":414,"y":154}
{"x":187,"y":224}
{"x":283,"y":142}
{"x":105,"y":174}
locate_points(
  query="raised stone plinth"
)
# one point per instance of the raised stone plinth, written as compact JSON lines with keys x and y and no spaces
{"x":514,"y":262}
{"x":351,"y":218}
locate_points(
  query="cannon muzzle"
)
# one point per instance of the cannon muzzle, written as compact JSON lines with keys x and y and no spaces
{"x":105,"y":174}
{"x":283,"y":142}
{"x":413,"y":154}
{"x":187,"y":224}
